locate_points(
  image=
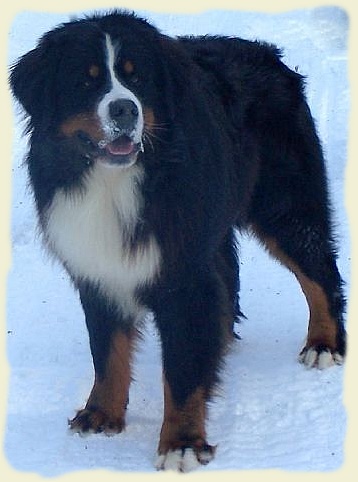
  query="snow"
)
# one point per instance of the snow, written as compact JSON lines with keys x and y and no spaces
{"x":271,"y":412}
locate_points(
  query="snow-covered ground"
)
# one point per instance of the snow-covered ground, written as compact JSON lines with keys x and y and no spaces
{"x":272,"y":412}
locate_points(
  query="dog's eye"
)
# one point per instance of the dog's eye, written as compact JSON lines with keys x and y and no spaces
{"x":88,"y":83}
{"x":91,"y":77}
{"x":130,"y":72}
{"x":134,"y":78}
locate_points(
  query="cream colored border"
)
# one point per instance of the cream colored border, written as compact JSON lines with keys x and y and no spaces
{"x":8,"y":11}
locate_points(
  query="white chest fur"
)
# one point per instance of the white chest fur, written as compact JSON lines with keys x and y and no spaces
{"x":87,"y":232}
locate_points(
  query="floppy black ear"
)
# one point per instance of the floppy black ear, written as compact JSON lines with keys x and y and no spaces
{"x":31,"y":79}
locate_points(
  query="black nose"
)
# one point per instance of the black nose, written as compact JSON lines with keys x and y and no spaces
{"x":124,"y":113}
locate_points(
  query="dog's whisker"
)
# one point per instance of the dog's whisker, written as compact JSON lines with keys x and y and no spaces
{"x":147,"y":139}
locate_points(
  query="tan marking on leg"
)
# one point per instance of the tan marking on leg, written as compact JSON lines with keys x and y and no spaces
{"x":184,"y":426}
{"x":182,"y":445}
{"x":111,"y":393}
{"x":87,"y":122}
{"x":106,"y":406}
{"x":322,"y":328}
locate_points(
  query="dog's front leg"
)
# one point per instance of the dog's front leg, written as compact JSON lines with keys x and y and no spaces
{"x":193,"y":337}
{"x":111,"y":341}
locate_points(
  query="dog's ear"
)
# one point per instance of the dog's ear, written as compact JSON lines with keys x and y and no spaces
{"x":31,"y":80}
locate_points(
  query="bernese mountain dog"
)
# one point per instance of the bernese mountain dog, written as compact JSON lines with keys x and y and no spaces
{"x":147,"y":153}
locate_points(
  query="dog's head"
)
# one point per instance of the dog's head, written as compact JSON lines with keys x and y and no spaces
{"x":98,"y":82}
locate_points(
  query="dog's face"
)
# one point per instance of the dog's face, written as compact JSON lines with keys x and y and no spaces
{"x":93,"y":84}
{"x":98,"y":100}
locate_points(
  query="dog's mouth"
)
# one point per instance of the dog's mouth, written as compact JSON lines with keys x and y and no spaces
{"x":122,"y":146}
{"x":121,"y":151}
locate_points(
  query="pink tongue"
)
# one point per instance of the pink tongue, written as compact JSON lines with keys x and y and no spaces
{"x":120,"y":147}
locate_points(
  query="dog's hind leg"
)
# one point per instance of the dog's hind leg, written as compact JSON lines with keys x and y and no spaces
{"x":322,"y":287}
{"x":290,"y":214}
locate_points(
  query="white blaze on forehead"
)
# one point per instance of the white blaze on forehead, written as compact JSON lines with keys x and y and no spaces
{"x":117,"y":91}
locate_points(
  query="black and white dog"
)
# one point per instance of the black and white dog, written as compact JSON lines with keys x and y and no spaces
{"x":146,"y":153}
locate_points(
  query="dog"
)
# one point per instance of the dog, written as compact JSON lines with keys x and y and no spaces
{"x":147,"y":153}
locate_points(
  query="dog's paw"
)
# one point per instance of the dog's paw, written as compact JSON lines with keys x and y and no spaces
{"x":320,"y":357}
{"x":185,"y":459}
{"x":88,"y":421}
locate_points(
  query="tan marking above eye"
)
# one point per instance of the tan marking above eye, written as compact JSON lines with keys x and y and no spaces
{"x":94,"y":71}
{"x":128,"y":67}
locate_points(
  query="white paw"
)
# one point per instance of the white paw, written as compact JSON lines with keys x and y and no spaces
{"x":322,"y":359}
{"x":184,"y":460}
